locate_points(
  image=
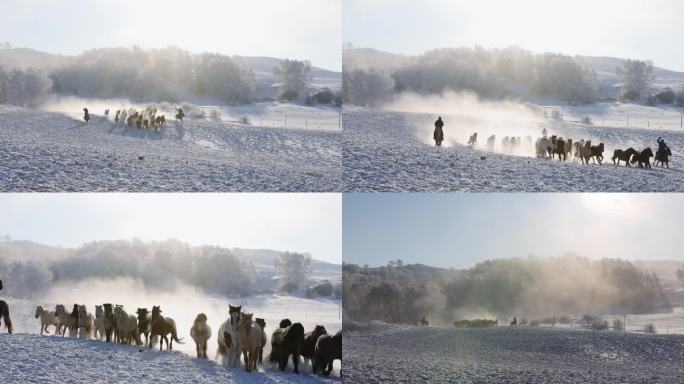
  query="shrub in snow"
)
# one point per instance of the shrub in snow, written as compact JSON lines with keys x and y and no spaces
{"x":666,"y":96}
{"x":630,"y":95}
{"x":245,"y":120}
{"x":586,"y":120}
{"x":324,"y":96}
{"x":324,"y":289}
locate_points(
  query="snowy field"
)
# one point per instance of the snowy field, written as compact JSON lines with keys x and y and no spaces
{"x":28,"y":358}
{"x":182,"y":305}
{"x":54,"y":151}
{"x":406,"y":354}
{"x":389,"y":150}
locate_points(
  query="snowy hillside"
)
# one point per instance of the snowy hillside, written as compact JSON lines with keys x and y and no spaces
{"x":394,"y":151}
{"x":388,"y":353}
{"x":33,"y":358}
{"x":44,"y":151}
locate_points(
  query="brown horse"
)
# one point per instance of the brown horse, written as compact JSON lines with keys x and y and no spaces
{"x":328,"y":349}
{"x":5,"y":315}
{"x":625,"y":155}
{"x":643,"y":158}
{"x":597,"y":152}
{"x":285,"y":342}
{"x":162,"y":326}
{"x":559,"y":149}
{"x":310,"y":339}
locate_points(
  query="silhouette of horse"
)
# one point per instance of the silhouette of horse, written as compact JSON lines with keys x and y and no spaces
{"x":597,"y":152}
{"x":473,"y":139}
{"x":643,"y":158}
{"x":328,"y":349}
{"x":625,"y":155}
{"x":285,"y":342}
{"x":162,"y":326}
{"x":5,"y":315}
{"x":514,"y":323}
{"x":86,"y":115}
{"x":310,"y":339}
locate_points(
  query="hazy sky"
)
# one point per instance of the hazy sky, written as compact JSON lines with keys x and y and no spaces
{"x":285,"y":222}
{"x":301,"y":29}
{"x":641,"y":29}
{"x":459,"y":230}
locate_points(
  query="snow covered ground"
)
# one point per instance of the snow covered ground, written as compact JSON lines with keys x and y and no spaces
{"x":406,"y":354}
{"x":55,"y":151}
{"x":30,"y":358}
{"x":393,"y":151}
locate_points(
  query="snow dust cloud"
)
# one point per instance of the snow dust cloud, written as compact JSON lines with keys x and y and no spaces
{"x":464,"y":113}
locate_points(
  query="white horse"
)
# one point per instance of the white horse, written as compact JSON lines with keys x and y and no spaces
{"x":201,"y":332}
{"x":86,"y":323}
{"x":249,"y":336}
{"x":47,"y":319}
{"x":228,"y":343}
{"x":66,"y":321}
{"x":99,"y":322}
{"x":543,"y":146}
{"x":126,"y":327}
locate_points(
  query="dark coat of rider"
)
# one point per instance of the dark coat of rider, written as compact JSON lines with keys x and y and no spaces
{"x":661,"y":144}
{"x":439,"y":133}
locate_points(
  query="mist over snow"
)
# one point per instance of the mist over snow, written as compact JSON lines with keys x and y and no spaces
{"x":465,"y":113}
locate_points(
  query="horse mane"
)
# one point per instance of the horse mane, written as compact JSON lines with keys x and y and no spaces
{"x":284,"y":323}
{"x":293,"y":332}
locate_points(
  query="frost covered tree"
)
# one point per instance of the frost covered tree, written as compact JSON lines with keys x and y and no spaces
{"x":23,"y":88}
{"x":636,"y":77}
{"x":366,"y":88}
{"x":293,"y":269}
{"x":294,"y":76}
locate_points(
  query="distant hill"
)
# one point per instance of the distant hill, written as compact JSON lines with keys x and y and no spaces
{"x":20,"y":58}
{"x":15,"y":250}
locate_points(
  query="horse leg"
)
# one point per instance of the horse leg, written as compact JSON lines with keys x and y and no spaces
{"x":295,"y":362}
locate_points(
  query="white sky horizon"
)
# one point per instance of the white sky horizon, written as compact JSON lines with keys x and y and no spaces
{"x":638,"y":29}
{"x":461,"y":229}
{"x":270,"y":28}
{"x":295,"y":222}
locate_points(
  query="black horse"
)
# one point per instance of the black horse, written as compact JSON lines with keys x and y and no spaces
{"x":643,"y":158}
{"x":285,"y":342}
{"x":86,"y":115}
{"x":328,"y":349}
{"x":5,"y":315}
{"x":625,"y":155}
{"x":310,"y":339}
{"x":663,"y":157}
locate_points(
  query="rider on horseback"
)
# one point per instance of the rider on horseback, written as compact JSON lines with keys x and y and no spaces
{"x":661,"y":144}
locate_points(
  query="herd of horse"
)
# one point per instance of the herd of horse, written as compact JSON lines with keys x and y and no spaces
{"x":240,"y":334}
{"x":582,"y":150}
{"x":146,"y":118}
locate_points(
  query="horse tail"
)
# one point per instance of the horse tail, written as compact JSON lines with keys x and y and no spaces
{"x":174,"y":336}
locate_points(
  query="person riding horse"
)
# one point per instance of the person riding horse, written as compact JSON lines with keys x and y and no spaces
{"x":180,"y":114}
{"x":438,"y":135}
{"x":86,"y":115}
{"x":663,"y":151}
